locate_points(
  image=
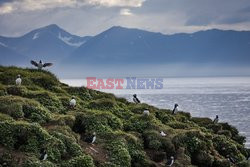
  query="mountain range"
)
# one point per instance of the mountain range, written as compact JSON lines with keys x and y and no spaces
{"x":123,"y":46}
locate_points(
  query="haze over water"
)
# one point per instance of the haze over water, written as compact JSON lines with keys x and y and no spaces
{"x":228,"y":97}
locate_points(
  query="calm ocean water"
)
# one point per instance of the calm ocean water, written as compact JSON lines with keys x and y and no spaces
{"x":228,"y":97}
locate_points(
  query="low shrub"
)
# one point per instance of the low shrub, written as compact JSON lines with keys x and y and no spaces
{"x":226,"y":147}
{"x":47,"y":99}
{"x":33,"y":162}
{"x":5,"y":117}
{"x":102,"y":104}
{"x":98,"y":122}
{"x":165,"y":116}
{"x":81,"y":92}
{"x":202,"y":121}
{"x":220,"y":163}
{"x":178,"y":125}
{"x":17,"y":90}
{"x":225,"y":132}
{"x":68,"y":120}
{"x":19,"y":107}
{"x":139,"y":123}
{"x":15,"y":110}
{"x":72,"y":148}
{"x":202,"y":159}
{"x":81,"y":161}
{"x":215,"y":127}
{"x":193,"y":141}
{"x":243,"y":164}
{"x":45,"y":81}
{"x":30,"y":138}
{"x":119,"y":155}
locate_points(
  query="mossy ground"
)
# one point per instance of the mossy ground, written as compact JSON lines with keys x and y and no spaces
{"x":36,"y":115}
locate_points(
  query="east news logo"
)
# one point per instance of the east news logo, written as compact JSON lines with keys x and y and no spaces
{"x":127,"y":83}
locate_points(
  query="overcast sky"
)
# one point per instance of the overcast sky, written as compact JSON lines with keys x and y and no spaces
{"x":90,"y":17}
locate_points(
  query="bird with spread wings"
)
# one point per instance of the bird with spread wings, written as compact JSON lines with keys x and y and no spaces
{"x":40,"y":64}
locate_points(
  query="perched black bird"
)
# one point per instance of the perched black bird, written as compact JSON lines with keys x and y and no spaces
{"x":170,"y":161}
{"x":175,"y":108}
{"x":43,"y":154}
{"x":216,"y":120}
{"x":231,"y":159}
{"x":135,"y":99}
{"x":91,"y":139}
{"x":40,"y":65}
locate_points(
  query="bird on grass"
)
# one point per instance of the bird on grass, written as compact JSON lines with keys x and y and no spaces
{"x":40,"y":65}
{"x":72,"y":102}
{"x":163,"y":134}
{"x":91,"y":139}
{"x":170,"y":161}
{"x":175,"y":109}
{"x":135,"y":99}
{"x":216,"y":120}
{"x":231,"y":159}
{"x":18,"y":80}
{"x":146,"y":112}
{"x":43,"y":155}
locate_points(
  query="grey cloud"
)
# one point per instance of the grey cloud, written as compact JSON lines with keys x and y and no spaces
{"x":166,"y":16}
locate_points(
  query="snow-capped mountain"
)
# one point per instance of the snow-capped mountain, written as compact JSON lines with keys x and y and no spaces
{"x":125,"y":46}
{"x":50,"y":43}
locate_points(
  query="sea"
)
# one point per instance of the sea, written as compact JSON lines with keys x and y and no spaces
{"x":228,"y":97}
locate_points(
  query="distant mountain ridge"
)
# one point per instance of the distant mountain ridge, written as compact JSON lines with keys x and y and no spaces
{"x":49,"y":43}
{"x":123,"y":46}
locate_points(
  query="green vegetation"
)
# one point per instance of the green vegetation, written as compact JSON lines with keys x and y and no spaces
{"x":37,"y":115}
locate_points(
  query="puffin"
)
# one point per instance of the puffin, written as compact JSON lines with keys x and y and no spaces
{"x":231,"y":159}
{"x":216,"y":120}
{"x":18,"y":80}
{"x":170,"y":161}
{"x":40,"y":64}
{"x":163,"y":134}
{"x":43,"y":155}
{"x":91,"y":139}
{"x":175,"y":108}
{"x":135,"y":99}
{"x":146,"y":112}
{"x":72,"y":102}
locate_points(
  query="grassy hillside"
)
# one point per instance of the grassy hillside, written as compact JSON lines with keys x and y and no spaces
{"x":36,"y":115}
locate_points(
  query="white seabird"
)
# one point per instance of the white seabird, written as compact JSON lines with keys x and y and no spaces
{"x":163,"y":134}
{"x":18,"y":80}
{"x":146,"y":112}
{"x":72,"y":102}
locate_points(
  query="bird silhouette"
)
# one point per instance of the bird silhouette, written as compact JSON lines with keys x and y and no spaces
{"x":91,"y":139}
{"x":216,"y":120}
{"x":170,"y":161}
{"x":135,"y":99}
{"x":43,"y":155}
{"x":40,"y":65}
{"x":175,"y":108}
